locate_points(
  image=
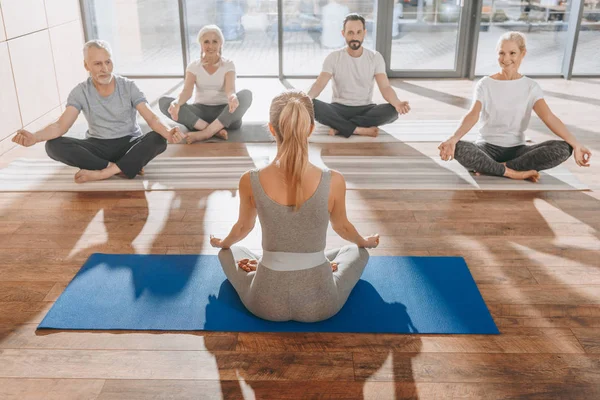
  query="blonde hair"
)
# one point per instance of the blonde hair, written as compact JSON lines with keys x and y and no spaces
{"x":513,"y":36}
{"x":211,"y":29}
{"x":292,"y":116}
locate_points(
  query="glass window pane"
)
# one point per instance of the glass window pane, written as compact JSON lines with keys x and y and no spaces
{"x":144,"y":34}
{"x":587,"y":60}
{"x":249,"y":27}
{"x":312,"y":29}
{"x":544,"y":23}
{"x":425,"y":34}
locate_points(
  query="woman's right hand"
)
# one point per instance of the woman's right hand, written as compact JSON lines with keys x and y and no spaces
{"x":370,"y":242}
{"x":174,"y":110}
{"x":447,"y":149}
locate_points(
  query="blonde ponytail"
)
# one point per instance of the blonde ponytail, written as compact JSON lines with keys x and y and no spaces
{"x":292,"y":117}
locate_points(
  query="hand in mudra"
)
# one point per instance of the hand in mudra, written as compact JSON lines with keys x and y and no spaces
{"x":176,"y":135}
{"x":582,"y":156}
{"x":371,"y":241}
{"x":402,"y":107}
{"x":447,"y":149}
{"x":174,"y":110}
{"x":24,"y":138}
{"x":248,"y":264}
{"x":233,"y":103}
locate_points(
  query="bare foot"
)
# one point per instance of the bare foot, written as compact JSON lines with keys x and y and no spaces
{"x":333,"y":132}
{"x":192,"y":137}
{"x":222,"y":134}
{"x":142,"y":172}
{"x":372,"y":131}
{"x":531,"y":175}
{"x":85,"y":175}
{"x":334,"y":266}
{"x":247,"y":264}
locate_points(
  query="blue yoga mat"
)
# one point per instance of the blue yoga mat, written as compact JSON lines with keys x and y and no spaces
{"x":190,"y":292}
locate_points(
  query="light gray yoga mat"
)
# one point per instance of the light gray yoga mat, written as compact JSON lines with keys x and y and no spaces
{"x":424,"y":173}
{"x":395,"y":172}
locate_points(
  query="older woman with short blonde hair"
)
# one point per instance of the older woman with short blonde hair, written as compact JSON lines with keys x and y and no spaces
{"x":217,"y":107}
{"x":504,"y":102}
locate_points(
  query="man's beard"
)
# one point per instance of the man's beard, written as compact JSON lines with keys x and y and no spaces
{"x":105,"y":80}
{"x":355,"y":44}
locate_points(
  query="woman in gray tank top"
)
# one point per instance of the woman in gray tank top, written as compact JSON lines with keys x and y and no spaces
{"x":295,"y":279}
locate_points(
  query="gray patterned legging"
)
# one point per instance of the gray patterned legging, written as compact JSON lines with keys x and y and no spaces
{"x":487,"y":158}
{"x":189,"y":114}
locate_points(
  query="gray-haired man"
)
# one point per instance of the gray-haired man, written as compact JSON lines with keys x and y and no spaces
{"x":114,"y":142}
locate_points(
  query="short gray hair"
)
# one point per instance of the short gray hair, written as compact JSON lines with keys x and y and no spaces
{"x":97,"y":44}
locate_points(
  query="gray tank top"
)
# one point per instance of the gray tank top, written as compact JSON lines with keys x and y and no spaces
{"x":286,"y":230}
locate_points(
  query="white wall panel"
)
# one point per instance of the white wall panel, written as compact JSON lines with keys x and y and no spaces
{"x":23,"y":16}
{"x":35,"y":78}
{"x":10,"y":119}
{"x":67,"y":44}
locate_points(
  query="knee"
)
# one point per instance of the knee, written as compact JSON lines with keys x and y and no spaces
{"x":245,"y":97}
{"x":567,"y":148}
{"x":391,"y":113}
{"x":318,"y":107}
{"x":363,"y":255}
{"x":226,"y":257}
{"x":164,"y":103}
{"x":235,"y":125}
{"x":461,"y":145}
{"x":357,"y":253}
{"x":158,"y":142}
{"x":53,"y":147}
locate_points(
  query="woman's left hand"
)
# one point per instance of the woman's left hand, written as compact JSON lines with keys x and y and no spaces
{"x":582,"y":156}
{"x":233,"y":103}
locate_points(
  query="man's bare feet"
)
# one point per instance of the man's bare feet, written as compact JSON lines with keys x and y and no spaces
{"x":222,"y":134}
{"x":372,"y":131}
{"x":85,"y":175}
{"x":247,"y":264}
{"x":333,"y":132}
{"x":530,"y":175}
{"x":334,"y":266}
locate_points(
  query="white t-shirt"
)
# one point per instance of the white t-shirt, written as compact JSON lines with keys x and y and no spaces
{"x":210,"y":89}
{"x":353,"y":77}
{"x":506,"y":109}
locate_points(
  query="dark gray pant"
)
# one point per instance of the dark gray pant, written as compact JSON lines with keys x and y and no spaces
{"x":189,"y":114}
{"x":487,"y":158}
{"x":345,"y":119}
{"x":130,"y":154}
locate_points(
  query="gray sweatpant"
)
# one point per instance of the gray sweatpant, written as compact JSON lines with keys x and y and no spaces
{"x":307,"y":295}
{"x":487,"y":158}
{"x":189,"y":114}
{"x":345,"y":119}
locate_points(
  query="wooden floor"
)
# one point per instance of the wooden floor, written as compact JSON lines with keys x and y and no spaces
{"x":534,"y":255}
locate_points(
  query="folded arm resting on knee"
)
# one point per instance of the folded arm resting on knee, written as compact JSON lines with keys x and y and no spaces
{"x":448,"y":147}
{"x":338,"y":217}
{"x":52,"y":131}
{"x":172,"y":135}
{"x":389,"y":94}
{"x":582,"y":154}
{"x":246,"y":219}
